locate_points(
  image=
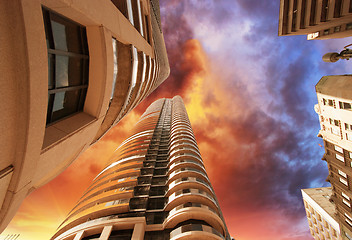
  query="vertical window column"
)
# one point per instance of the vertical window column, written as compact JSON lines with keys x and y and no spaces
{"x":68,"y":63}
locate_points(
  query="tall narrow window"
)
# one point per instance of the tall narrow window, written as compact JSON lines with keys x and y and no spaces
{"x":68,"y":62}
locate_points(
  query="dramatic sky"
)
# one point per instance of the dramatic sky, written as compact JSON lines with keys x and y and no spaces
{"x":250,"y":97}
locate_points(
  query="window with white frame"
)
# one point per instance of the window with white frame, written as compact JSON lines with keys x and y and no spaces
{"x":345,"y":202}
{"x":343,"y":181}
{"x":342,"y":173}
{"x":339,"y":157}
{"x":349,"y":136}
{"x":339,"y":149}
{"x":345,"y":196}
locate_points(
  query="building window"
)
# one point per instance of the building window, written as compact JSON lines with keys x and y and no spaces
{"x":349,"y":25}
{"x":342,"y":173}
{"x":337,"y":29}
{"x":348,"y":127}
{"x":339,"y":157}
{"x":337,"y":148}
{"x":68,"y":63}
{"x":326,"y":31}
{"x":345,"y":105}
{"x":345,"y":196}
{"x":344,"y":181}
{"x":349,"y":136}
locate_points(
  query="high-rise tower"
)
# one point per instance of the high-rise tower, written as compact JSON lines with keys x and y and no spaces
{"x":154,"y":187}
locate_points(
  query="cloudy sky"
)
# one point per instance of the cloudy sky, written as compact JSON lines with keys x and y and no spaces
{"x":250,"y":97}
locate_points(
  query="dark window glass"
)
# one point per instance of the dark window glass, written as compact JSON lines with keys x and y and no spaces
{"x":159,"y":180}
{"x":331,"y":102}
{"x":162,"y":171}
{"x":303,"y":10}
{"x":348,"y":26}
{"x":346,"y":105}
{"x":122,"y":6}
{"x":68,"y":62}
{"x":324,"y":10}
{"x":92,"y":237}
{"x":144,"y":180}
{"x":156,"y":203}
{"x":138,"y":203}
{"x":337,"y":10}
{"x":312,"y":12}
{"x":157,"y":191}
{"x":121,"y":235}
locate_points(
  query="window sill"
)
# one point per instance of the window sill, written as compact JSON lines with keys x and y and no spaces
{"x":63,"y":129}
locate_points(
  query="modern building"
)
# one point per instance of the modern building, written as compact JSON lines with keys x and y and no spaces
{"x":70,"y":70}
{"x":155,"y":186}
{"x":321,"y":213}
{"x":334,"y":110}
{"x":318,"y":19}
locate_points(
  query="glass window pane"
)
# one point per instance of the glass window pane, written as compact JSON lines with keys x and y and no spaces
{"x":65,"y":103}
{"x":51,"y":61}
{"x":59,"y":33}
{"x":61,"y":73}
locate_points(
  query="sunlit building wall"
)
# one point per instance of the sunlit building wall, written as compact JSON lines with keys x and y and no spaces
{"x":335,"y":115}
{"x":70,"y":70}
{"x":335,"y":111}
{"x":318,"y":19}
{"x":154,"y":187}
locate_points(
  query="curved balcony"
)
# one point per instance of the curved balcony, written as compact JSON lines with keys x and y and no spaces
{"x":183,"y":142}
{"x":180,"y":123}
{"x":181,"y":150}
{"x":190,"y":195}
{"x":181,"y":139}
{"x":195,"y":211}
{"x":115,"y":194}
{"x":184,"y":163}
{"x":114,"y":176}
{"x":189,"y":182}
{"x":110,"y":185}
{"x":97,"y":211}
{"x":195,"y":231}
{"x":180,"y":127}
{"x":120,"y":165}
{"x":181,"y":131}
{"x":184,"y":156}
{"x":185,"y":135}
{"x":187,"y":172}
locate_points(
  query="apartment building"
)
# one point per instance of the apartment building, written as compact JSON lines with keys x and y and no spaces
{"x":321,"y":213}
{"x":155,"y":186}
{"x":70,"y":71}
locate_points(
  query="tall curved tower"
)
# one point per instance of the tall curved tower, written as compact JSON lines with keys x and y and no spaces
{"x":154,"y":187}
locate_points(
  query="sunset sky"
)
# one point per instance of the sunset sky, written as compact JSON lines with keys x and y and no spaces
{"x":250,"y":97}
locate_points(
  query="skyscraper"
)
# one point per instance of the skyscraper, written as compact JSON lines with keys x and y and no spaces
{"x":321,"y":213}
{"x":154,"y":187}
{"x":71,"y":70}
{"x":335,"y":116}
{"x":322,"y":19}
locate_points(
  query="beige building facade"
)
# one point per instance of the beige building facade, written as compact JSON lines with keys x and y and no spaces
{"x":71,"y":69}
{"x":321,"y":213}
{"x":335,"y":115}
{"x":155,"y":186}
{"x":318,"y":19}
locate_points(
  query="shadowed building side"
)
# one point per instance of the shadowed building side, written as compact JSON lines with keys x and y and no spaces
{"x":154,"y":187}
{"x":318,"y":19}
{"x":71,"y":70}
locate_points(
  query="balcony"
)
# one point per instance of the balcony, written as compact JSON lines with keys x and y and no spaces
{"x":195,"y":231}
